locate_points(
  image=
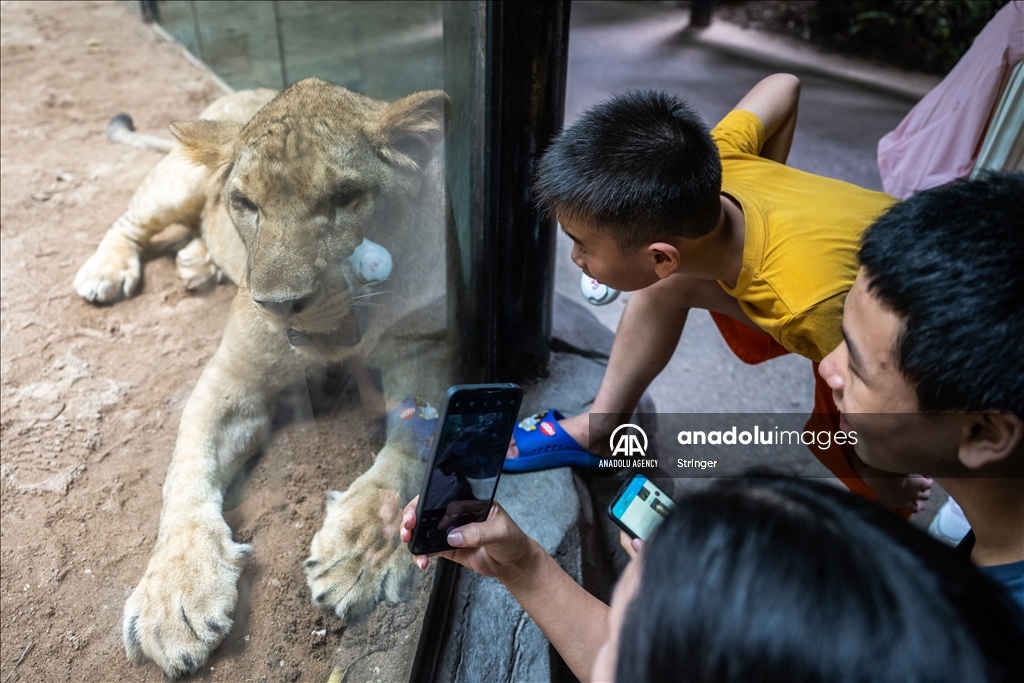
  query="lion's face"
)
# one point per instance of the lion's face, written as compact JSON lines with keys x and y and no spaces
{"x":311,"y":174}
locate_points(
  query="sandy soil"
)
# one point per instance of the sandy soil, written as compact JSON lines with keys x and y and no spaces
{"x":91,"y":396}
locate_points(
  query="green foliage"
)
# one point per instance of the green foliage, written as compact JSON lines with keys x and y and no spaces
{"x":926,"y":35}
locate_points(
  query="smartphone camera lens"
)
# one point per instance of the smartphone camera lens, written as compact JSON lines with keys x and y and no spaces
{"x":471,"y":403}
{"x":499,"y":403}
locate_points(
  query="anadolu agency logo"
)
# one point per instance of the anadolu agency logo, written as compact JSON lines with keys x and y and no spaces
{"x":629,"y":448}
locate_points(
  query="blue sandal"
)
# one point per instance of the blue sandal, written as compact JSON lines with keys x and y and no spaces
{"x":544,"y":445}
{"x":414,"y":422}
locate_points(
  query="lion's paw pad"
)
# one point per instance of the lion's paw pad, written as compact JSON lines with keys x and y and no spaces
{"x":356,"y":559}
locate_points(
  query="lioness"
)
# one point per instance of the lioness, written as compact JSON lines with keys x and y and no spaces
{"x":279,"y":189}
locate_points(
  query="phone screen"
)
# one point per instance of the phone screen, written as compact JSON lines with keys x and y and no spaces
{"x":640,"y":507}
{"x":463,"y":476}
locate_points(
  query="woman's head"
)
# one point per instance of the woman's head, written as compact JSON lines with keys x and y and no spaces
{"x":789,"y":580}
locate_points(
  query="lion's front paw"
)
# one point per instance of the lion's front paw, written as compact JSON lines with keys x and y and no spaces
{"x":113,"y":272}
{"x":196,"y":267}
{"x":183,"y":606}
{"x":356,"y":559}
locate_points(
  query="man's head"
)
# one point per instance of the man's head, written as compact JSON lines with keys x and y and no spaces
{"x":641,"y":167}
{"x":931,"y":373}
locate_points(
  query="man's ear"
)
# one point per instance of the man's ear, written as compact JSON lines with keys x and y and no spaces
{"x":990,"y":437}
{"x":666,"y":258}
{"x":412,"y":127}
{"x":207,"y":143}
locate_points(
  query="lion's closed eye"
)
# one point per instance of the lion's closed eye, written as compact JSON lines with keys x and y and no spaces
{"x":243,"y":204}
{"x":344,"y":201}
{"x":346,"y":198}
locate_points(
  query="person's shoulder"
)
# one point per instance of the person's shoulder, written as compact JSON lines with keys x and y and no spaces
{"x":1010,"y":577}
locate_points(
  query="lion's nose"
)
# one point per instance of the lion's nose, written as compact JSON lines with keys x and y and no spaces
{"x":287,"y":307}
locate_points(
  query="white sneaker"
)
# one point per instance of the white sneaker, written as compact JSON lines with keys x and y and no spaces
{"x":949,"y":524}
{"x":595,"y":293}
{"x":371,"y":262}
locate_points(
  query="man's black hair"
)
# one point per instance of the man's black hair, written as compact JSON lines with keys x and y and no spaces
{"x":641,"y":165}
{"x":780,"y":580}
{"x":950,"y":262}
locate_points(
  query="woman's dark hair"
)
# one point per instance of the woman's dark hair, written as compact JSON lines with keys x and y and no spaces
{"x":794,"y":581}
{"x":641,"y":166}
{"x":950,"y":262}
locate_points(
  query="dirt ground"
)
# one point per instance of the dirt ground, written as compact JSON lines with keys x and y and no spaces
{"x":91,"y":396}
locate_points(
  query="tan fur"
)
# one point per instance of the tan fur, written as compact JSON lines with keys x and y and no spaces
{"x":279,"y":189}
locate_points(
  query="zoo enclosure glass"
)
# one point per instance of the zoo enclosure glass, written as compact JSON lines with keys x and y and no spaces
{"x":503,"y":67}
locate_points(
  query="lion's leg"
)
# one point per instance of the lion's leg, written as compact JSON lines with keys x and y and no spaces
{"x":173,"y":192}
{"x":356,"y":559}
{"x":183,"y":605}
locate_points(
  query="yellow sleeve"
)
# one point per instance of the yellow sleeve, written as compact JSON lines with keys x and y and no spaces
{"x":816,"y":331}
{"x":740,"y":131}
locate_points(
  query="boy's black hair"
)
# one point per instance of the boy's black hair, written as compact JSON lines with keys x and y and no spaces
{"x":950,"y":262}
{"x":641,"y":165}
{"x":781,"y":580}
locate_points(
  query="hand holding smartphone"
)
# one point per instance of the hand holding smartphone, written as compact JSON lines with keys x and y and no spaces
{"x":472,"y":437}
{"x":639,"y":507}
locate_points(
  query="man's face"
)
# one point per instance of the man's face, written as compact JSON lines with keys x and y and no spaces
{"x":877,"y":401}
{"x":600,"y":257}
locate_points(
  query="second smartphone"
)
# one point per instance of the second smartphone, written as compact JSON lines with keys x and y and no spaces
{"x":640,"y":506}
{"x":473,"y":433}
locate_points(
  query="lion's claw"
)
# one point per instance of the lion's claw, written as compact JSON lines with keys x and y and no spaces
{"x":183,"y":606}
{"x":356,"y":559}
{"x":109,"y":274}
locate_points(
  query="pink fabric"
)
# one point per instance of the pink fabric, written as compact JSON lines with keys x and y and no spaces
{"x":939,"y":139}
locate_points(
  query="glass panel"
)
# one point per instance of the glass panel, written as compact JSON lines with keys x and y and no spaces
{"x":329,"y":213}
{"x":179,"y":19}
{"x":237,"y":39}
{"x":381,"y":49}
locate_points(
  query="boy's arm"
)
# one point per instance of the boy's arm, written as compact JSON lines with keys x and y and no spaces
{"x":573,"y":620}
{"x":774,"y":100}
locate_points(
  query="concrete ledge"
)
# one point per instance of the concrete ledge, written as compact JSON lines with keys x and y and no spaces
{"x":490,"y":637}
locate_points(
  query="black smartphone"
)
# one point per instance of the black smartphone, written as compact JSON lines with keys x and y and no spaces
{"x":472,"y":437}
{"x":640,"y":506}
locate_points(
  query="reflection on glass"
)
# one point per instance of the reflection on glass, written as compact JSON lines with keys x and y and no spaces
{"x":380,"y":49}
{"x":468,"y":460}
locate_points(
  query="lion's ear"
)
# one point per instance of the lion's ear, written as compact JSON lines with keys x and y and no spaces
{"x":412,"y":127}
{"x":208,"y":143}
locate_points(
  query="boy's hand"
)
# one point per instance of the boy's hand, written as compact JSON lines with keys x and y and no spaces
{"x":906,"y":494}
{"x":632,"y":546}
{"x":495,"y":547}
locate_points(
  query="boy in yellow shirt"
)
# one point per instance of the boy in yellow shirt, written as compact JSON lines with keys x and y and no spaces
{"x":689,"y":218}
